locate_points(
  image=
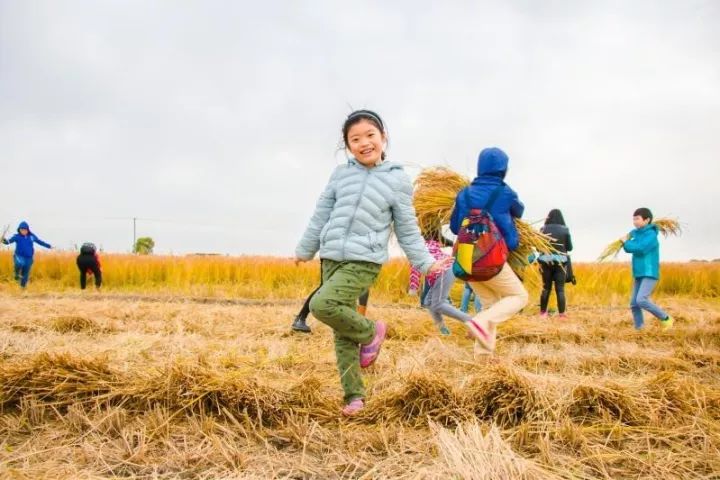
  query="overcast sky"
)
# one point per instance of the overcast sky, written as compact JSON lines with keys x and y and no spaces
{"x":217,"y":122}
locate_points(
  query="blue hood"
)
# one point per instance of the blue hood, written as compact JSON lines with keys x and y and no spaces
{"x":25,"y":225}
{"x":493,"y":162}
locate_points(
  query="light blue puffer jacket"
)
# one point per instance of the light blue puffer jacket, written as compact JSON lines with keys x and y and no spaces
{"x":353,"y":217}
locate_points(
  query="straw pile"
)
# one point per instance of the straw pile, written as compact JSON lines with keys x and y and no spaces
{"x":499,"y":394}
{"x":434,"y":198}
{"x":666,"y":226}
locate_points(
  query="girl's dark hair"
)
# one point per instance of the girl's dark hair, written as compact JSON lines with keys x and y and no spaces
{"x":555,"y":217}
{"x":643,"y":212}
{"x":356,"y":117}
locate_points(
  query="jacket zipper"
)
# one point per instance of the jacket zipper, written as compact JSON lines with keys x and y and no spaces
{"x":357,"y":205}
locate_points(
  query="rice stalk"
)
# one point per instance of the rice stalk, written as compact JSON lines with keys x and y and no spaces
{"x":502,"y":396}
{"x":666,"y":226}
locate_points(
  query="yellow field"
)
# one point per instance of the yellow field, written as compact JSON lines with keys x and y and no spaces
{"x":185,"y":368}
{"x":277,"y":278}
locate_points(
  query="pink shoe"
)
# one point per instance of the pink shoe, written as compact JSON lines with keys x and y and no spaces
{"x":562,"y":315}
{"x":481,"y":333}
{"x":370,"y":352}
{"x":543,"y":315}
{"x":353,"y":408}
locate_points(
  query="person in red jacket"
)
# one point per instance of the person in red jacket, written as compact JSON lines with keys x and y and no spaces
{"x":89,"y":262}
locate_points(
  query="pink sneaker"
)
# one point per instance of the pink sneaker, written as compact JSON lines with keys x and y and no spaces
{"x":353,"y":408}
{"x":562,"y":315}
{"x":370,"y":352}
{"x":481,"y":333}
{"x":543,"y":315}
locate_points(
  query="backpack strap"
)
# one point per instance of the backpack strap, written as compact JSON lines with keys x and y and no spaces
{"x":491,"y":199}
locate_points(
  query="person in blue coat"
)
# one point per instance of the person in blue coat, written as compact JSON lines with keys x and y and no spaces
{"x":503,"y":295}
{"x":643,"y":244}
{"x":491,"y":170}
{"x":24,"y":241}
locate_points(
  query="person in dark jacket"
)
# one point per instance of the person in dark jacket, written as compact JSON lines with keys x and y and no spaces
{"x":554,"y":265}
{"x":23,"y":259}
{"x":503,"y":295}
{"x":88,"y":262}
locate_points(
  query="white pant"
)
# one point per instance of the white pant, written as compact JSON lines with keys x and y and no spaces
{"x":502,"y":297}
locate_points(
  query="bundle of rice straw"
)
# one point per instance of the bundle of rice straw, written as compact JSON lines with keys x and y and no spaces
{"x":434,"y":199}
{"x":666,"y":226}
{"x":434,"y":196}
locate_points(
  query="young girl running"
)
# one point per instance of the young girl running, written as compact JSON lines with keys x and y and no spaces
{"x":350,"y":228}
{"x":439,"y":285}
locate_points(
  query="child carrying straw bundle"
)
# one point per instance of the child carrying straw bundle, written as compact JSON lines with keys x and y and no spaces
{"x":643,"y":244}
{"x":436,"y":189}
{"x":503,"y":294}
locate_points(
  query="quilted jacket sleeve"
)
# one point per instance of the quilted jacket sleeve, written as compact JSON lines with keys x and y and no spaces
{"x":406,"y":226}
{"x":310,"y":241}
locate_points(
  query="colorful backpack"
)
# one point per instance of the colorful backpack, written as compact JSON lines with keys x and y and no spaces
{"x":480,"y":250}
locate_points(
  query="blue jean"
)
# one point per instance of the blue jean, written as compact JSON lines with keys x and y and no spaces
{"x":22,"y":269}
{"x":640,"y":300}
{"x":436,"y":300}
{"x":468,"y":295}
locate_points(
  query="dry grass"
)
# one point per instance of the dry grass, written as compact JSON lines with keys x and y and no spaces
{"x":153,"y":388}
{"x":278,"y":280}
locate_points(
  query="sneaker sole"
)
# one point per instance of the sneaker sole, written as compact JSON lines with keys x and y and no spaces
{"x":376,"y":354}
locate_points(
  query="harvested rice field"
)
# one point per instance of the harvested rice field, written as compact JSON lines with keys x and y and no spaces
{"x":120,"y":385}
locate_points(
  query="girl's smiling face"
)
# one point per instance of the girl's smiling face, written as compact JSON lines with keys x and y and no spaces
{"x":365,"y":142}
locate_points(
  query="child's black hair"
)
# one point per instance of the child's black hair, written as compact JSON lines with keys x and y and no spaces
{"x":356,"y":117}
{"x":555,"y":217}
{"x":643,"y":212}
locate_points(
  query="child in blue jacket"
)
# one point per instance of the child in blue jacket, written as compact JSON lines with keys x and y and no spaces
{"x":643,"y":244}
{"x":503,"y":295}
{"x":24,"y":241}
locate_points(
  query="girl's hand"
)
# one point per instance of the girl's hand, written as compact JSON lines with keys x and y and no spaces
{"x":625,"y":238}
{"x":441,"y":265}
{"x":298,"y":261}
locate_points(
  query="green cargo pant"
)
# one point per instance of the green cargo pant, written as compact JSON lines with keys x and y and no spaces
{"x":334,"y":305}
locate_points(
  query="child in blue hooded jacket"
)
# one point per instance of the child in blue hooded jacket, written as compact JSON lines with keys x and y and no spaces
{"x":643,"y":244}
{"x":24,"y":241}
{"x":503,"y":295}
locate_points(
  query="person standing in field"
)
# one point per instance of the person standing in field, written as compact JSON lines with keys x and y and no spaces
{"x":88,"y":262}
{"x":23,"y":259}
{"x":643,"y":244}
{"x":300,"y":322}
{"x":503,"y":295}
{"x":363,"y":201}
{"x":554,"y":266}
{"x":438,"y":285}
